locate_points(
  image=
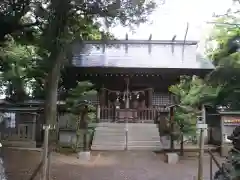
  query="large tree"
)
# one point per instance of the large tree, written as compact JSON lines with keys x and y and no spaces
{"x":62,"y":28}
{"x":56,"y":24}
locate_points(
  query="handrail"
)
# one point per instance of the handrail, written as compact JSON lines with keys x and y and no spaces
{"x":220,"y":168}
{"x":213,"y":159}
{"x":38,"y":168}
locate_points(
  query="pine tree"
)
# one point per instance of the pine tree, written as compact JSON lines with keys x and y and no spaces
{"x":82,"y":109}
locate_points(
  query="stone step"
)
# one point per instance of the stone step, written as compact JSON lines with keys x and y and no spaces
{"x":147,"y":148}
{"x":141,"y":125}
{"x":111,"y":136}
{"x":144,"y":144}
{"x":143,"y":141}
{"x":109,"y":144}
{"x":109,"y":140}
{"x":143,"y":129}
{"x":109,"y":129}
{"x":112,"y":125}
{"x":143,"y":132}
{"x":109,"y":148}
{"x":144,"y":137}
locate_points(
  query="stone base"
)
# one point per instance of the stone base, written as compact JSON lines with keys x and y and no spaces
{"x":225,"y":148}
{"x":84,"y":156}
{"x":23,"y":144}
{"x":172,"y":158}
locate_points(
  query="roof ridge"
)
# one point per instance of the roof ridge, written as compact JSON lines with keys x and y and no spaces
{"x":186,"y":42}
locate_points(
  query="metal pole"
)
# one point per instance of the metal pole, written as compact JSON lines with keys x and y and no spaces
{"x":126,"y":136}
{"x":201,"y":153}
{"x":45,"y":152}
{"x":49,"y":166}
{"x":127,"y":92}
{"x":211,"y":168}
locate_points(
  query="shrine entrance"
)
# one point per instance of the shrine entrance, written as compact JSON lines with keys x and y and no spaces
{"x":130,"y":104}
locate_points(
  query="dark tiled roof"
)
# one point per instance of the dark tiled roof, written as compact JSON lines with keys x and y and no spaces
{"x":140,"y":54}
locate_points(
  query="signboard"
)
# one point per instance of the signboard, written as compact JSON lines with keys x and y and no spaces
{"x":231,"y":121}
{"x":202,"y":126}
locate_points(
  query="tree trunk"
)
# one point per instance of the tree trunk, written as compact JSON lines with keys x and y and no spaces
{"x":181,"y":146}
{"x":51,"y":93}
{"x":85,"y":140}
{"x":84,"y":126}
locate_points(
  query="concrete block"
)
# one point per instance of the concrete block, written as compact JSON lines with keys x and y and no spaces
{"x":172,"y":158}
{"x":225,"y":148}
{"x":84,"y":156}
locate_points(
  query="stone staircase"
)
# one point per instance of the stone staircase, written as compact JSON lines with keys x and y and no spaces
{"x":109,"y":136}
{"x":140,"y":136}
{"x":143,"y":136}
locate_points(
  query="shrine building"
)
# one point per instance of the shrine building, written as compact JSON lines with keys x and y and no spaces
{"x":133,"y":76}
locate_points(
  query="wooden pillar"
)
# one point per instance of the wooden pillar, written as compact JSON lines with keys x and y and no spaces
{"x":98,"y":113}
{"x":171,"y":127}
{"x":34,"y":127}
{"x":102,"y":97}
{"x":150,"y":97}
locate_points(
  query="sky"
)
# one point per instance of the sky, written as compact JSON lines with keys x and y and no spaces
{"x":171,"y":19}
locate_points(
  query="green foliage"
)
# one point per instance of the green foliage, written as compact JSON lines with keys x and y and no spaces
{"x":226,"y":57}
{"x":50,"y":26}
{"x":83,"y":110}
{"x":191,"y":93}
{"x":16,"y":62}
{"x":78,"y":97}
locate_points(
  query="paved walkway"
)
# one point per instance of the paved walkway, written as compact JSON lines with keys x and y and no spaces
{"x":105,"y":166}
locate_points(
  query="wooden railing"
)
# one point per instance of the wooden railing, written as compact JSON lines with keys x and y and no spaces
{"x":107,"y":114}
{"x":146,"y":114}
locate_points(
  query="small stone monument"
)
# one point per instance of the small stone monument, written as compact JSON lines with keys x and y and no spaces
{"x":172,"y":158}
{"x":84,"y":156}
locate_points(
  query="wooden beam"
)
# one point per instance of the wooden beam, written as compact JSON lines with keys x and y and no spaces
{"x":126,"y":45}
{"x":184,"y":42}
{"x":150,"y":45}
{"x":103,"y":39}
{"x":173,"y":40}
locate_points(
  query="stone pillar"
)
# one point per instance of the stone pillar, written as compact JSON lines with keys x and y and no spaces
{"x":205,"y":132}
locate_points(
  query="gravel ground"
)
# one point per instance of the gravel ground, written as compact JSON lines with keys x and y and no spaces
{"x":104,"y":166}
